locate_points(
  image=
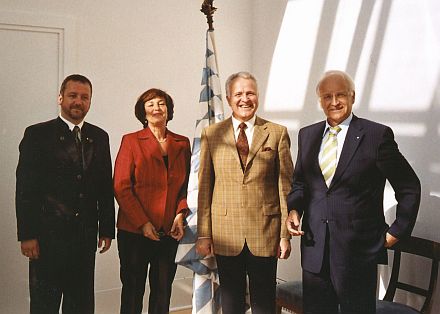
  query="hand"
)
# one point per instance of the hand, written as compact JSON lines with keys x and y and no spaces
{"x":30,"y":248}
{"x":390,"y":240}
{"x":177,"y":229}
{"x":292,"y":224}
{"x":205,"y":247}
{"x":284,"y":248}
{"x":105,"y":243}
{"x":150,"y":232}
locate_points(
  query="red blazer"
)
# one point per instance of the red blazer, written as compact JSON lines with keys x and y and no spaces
{"x":145,"y":190}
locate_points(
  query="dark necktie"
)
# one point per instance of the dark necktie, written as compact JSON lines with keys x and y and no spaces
{"x":77,"y":135}
{"x":242,"y":144}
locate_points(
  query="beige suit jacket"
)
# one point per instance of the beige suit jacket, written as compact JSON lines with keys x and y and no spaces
{"x":236,"y":206}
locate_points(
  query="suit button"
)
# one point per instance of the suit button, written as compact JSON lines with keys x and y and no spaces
{"x":81,"y":195}
{"x":78,"y":177}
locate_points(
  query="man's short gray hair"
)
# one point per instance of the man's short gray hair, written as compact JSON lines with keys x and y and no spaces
{"x":344,"y":75}
{"x":234,"y":76}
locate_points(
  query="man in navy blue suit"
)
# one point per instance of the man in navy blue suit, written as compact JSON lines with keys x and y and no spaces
{"x":338,"y":189}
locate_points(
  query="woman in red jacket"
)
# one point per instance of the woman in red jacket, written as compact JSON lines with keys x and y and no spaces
{"x":150,"y":182}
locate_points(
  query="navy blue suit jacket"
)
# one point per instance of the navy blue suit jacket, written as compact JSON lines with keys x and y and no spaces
{"x":352,"y":206}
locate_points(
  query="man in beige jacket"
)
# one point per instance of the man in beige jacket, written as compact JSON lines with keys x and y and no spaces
{"x":244,"y":177}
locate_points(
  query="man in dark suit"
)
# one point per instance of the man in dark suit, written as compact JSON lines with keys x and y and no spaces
{"x":64,"y":197}
{"x":338,"y":189}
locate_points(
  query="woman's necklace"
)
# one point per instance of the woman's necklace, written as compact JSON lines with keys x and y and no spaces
{"x":157,"y":131}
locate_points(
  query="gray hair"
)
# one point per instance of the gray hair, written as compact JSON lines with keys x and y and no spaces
{"x":344,"y":75}
{"x":234,"y":76}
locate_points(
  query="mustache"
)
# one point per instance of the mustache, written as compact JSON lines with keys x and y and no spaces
{"x":78,"y":107}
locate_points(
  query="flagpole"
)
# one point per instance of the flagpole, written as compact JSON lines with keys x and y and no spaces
{"x":208,"y":9}
{"x":206,"y":292}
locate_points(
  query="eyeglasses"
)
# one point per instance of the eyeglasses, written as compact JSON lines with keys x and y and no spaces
{"x":338,"y":96}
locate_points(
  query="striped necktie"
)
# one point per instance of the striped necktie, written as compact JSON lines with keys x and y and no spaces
{"x":327,"y":162}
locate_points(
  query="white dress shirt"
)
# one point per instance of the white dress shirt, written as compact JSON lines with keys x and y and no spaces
{"x":340,"y":137}
{"x":249,"y":130}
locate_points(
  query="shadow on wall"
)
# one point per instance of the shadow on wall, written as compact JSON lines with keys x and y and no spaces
{"x":392,"y":51}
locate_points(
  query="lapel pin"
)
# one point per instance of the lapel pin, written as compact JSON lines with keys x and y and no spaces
{"x":61,"y":138}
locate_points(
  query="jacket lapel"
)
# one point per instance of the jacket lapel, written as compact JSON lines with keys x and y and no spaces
{"x":353,"y":138}
{"x":88,"y":145}
{"x":66,"y":141}
{"x":258,"y":139}
{"x":174,"y":147}
{"x":149,"y":146}
{"x":312,"y":142}
{"x":229,"y":139}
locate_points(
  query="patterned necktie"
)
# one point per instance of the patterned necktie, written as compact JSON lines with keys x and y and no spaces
{"x":77,"y":135}
{"x":242,"y":144}
{"x":327,"y":162}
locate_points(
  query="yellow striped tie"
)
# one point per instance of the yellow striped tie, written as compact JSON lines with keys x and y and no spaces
{"x":327,"y":160}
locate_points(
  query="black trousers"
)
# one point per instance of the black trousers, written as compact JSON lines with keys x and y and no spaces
{"x":62,"y":273}
{"x":261,"y":271}
{"x":340,"y":291}
{"x":136,"y":254}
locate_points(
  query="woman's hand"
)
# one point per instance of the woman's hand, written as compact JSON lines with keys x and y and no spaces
{"x":177,"y":229}
{"x":150,"y":232}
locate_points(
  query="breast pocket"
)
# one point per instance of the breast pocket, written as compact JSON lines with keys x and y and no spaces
{"x":267,"y":153}
{"x":264,"y":164}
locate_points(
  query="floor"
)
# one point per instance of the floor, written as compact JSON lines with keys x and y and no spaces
{"x":108,"y":301}
{"x":188,"y":311}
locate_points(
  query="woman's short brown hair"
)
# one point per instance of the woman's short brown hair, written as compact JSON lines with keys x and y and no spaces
{"x":139,"y":108}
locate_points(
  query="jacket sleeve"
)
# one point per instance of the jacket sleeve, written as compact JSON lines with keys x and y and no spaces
{"x":106,"y":203}
{"x":206,"y":187}
{"x":28,"y":198}
{"x":404,"y":181}
{"x":296,"y":199}
{"x":123,"y":185}
{"x":285,"y":178}
{"x":182,"y":204}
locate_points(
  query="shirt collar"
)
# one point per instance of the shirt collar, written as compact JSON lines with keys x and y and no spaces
{"x":250,"y":123}
{"x":343,"y":125}
{"x":70,"y":124}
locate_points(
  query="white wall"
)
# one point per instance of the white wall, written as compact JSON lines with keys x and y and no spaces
{"x":126,"y":47}
{"x":392,"y":50}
